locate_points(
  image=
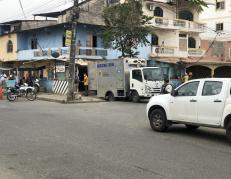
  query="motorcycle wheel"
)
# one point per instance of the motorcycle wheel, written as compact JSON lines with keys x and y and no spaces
{"x":10,"y":97}
{"x":31,"y":95}
{"x":36,"y":88}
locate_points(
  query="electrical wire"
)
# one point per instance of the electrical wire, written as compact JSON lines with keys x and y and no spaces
{"x":210,"y":46}
{"x":98,"y":14}
{"x":28,"y":23}
{"x":46,"y":6}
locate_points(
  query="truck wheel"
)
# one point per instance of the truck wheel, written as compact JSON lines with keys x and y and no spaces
{"x":158,"y":120}
{"x":191,"y":127}
{"x":110,"y":97}
{"x":228,"y":132}
{"x":135,"y":97}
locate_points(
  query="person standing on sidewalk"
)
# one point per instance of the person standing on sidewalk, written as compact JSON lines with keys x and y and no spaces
{"x":85,"y":83}
{"x":166,"y":87}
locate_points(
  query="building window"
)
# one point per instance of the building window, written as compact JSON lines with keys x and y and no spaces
{"x":34,"y":43}
{"x":158,"y":12}
{"x":94,"y":41}
{"x":186,"y":15}
{"x":9,"y":46}
{"x":219,"y":27}
{"x":64,"y":41}
{"x":191,"y":42}
{"x":220,"y":5}
{"x":155,"y":40}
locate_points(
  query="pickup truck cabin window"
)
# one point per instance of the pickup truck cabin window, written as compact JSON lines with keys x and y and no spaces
{"x":189,"y":89}
{"x":212,"y":88}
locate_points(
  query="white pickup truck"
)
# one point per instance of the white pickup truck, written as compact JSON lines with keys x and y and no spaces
{"x":201,"y":102}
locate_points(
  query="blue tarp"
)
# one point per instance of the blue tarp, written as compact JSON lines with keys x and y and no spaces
{"x":10,"y":83}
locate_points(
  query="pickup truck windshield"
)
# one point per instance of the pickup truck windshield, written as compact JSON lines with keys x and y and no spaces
{"x":153,"y":74}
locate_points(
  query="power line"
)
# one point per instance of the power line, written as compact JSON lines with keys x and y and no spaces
{"x":22,"y":8}
{"x":48,"y":5}
{"x":213,"y":41}
{"x":28,"y":23}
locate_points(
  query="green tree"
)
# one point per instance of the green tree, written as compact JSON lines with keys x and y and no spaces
{"x":198,"y":4}
{"x":125,"y":27}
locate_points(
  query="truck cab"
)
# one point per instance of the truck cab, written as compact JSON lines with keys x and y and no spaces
{"x":145,"y":81}
{"x":200,"y":102}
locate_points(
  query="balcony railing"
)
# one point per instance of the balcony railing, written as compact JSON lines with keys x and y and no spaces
{"x":195,"y":52}
{"x":163,"y":51}
{"x":158,"y":51}
{"x":177,"y":24}
{"x":81,"y":52}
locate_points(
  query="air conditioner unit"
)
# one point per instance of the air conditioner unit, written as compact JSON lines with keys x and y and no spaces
{"x":151,"y":7}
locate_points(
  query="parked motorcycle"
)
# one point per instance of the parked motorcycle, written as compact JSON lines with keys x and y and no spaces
{"x":21,"y":91}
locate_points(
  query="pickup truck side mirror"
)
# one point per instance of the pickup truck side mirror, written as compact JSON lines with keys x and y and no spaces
{"x":174,"y":93}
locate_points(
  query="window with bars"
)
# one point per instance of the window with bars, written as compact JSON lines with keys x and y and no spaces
{"x":9,"y":46}
{"x":219,"y":27}
{"x":34,"y":43}
{"x":220,"y":5}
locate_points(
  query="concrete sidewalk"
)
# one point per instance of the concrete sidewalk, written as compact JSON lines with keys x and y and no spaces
{"x":62,"y":98}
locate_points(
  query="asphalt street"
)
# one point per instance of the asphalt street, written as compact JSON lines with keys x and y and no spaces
{"x":45,"y":140}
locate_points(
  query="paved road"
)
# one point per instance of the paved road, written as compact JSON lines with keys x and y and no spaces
{"x":103,"y":141}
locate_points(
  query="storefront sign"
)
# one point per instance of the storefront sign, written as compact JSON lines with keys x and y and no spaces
{"x":60,"y":68}
{"x":68,"y":38}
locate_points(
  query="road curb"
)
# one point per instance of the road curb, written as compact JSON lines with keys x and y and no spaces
{"x":70,"y":102}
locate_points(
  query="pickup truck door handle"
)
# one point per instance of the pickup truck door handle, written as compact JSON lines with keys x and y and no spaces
{"x":193,"y":100}
{"x":217,"y":101}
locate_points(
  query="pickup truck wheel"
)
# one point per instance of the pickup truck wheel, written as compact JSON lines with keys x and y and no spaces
{"x":158,"y":120}
{"x":135,"y":97}
{"x":191,"y":127}
{"x":228,"y":132}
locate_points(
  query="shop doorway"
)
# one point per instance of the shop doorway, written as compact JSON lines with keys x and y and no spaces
{"x":223,"y":72}
{"x":82,"y":70}
{"x":199,"y":72}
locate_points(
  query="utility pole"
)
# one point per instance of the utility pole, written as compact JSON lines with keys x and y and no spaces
{"x":71,"y":79}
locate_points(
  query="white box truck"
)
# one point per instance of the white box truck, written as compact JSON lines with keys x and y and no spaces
{"x":125,"y":78}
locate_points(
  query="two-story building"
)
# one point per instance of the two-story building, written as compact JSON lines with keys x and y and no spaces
{"x":8,"y":48}
{"x":36,"y":43}
{"x":175,"y":34}
{"x":174,"y":37}
{"x":216,"y":40}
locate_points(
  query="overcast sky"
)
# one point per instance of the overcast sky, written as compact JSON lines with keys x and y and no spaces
{"x":11,"y":10}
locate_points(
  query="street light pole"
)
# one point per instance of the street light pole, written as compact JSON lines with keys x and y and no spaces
{"x":71,"y":79}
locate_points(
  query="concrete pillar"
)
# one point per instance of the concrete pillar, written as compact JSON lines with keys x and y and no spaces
{"x":213,"y":70}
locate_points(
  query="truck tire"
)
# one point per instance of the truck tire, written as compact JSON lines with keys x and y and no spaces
{"x":228,"y":132}
{"x":191,"y":127}
{"x":110,"y":97}
{"x":158,"y":120}
{"x":135,"y":97}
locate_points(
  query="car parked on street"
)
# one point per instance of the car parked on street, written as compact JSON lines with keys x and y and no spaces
{"x":199,"y":102}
